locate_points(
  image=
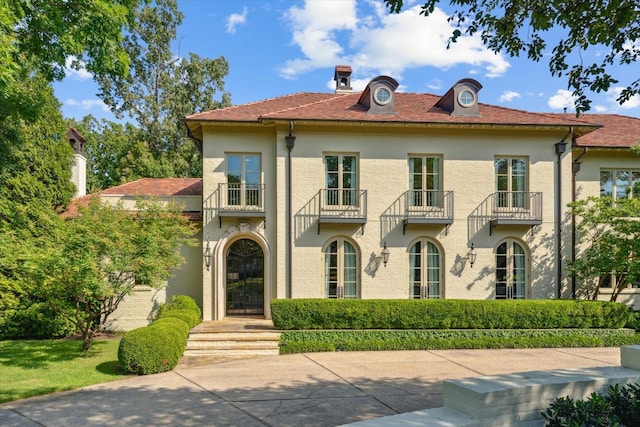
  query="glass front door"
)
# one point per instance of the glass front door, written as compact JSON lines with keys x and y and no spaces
{"x":245,"y":278}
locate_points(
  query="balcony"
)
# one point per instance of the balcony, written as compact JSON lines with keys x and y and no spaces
{"x":427,"y":207}
{"x":240,"y":201}
{"x":515,"y":208}
{"x":342,"y":206}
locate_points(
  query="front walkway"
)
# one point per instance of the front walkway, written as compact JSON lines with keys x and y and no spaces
{"x":312,"y":389}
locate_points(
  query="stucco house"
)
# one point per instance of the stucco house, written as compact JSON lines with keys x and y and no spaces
{"x":384,"y":194}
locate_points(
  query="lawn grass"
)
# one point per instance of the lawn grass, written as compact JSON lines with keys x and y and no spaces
{"x":34,"y":367}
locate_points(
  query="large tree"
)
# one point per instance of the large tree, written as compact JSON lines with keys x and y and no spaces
{"x":610,"y":241}
{"x":96,"y":259}
{"x":163,"y":87}
{"x":525,"y":27}
{"x":41,"y":35}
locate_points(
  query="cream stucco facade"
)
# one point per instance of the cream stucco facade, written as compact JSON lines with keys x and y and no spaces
{"x":302,"y":194}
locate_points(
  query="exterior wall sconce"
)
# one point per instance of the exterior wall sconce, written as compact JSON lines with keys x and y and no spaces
{"x":385,"y":254}
{"x":471,"y":256}
{"x":207,"y":255}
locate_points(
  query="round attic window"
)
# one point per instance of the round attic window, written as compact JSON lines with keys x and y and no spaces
{"x":466,"y":98}
{"x":382,"y":96}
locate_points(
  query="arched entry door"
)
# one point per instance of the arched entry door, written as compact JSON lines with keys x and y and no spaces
{"x":245,"y":278}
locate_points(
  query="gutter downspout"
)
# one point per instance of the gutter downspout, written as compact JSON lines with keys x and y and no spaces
{"x":575,"y":169}
{"x":561,"y":148}
{"x":290,"y":140}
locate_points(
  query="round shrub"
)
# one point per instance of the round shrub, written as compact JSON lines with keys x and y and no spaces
{"x":154,"y":348}
{"x":181,"y":302}
{"x":189,"y":317}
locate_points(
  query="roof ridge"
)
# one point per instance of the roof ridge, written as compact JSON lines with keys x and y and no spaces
{"x":261,"y":101}
{"x":329,"y":97}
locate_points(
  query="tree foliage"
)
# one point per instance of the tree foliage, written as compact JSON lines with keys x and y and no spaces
{"x":35,"y":164}
{"x":162,"y":88}
{"x":525,"y":27}
{"x":92,"y":262}
{"x":610,"y":237}
{"x":40,"y":35}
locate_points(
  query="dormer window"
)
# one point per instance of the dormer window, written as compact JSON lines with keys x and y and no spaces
{"x":461,"y":99}
{"x":379,"y":96}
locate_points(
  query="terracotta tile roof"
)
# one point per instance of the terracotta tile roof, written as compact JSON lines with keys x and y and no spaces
{"x":410,"y":108}
{"x":616,"y":131}
{"x":158,"y":187}
{"x":150,"y":187}
{"x":74,"y":207}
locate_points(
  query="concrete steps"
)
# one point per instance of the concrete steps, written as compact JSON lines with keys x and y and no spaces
{"x":235,"y":337}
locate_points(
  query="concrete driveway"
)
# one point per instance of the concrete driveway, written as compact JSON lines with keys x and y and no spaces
{"x":311,"y":389}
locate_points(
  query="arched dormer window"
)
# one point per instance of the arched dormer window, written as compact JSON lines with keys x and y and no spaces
{"x":379,"y":96}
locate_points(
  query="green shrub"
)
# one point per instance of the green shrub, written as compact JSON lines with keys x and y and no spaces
{"x":191,"y":318}
{"x":619,"y":406}
{"x":154,"y":348}
{"x":288,"y":314}
{"x":181,"y":302}
{"x":296,"y":341}
{"x":34,"y":320}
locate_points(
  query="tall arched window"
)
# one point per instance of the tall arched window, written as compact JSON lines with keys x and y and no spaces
{"x":341,"y":278}
{"x":511,"y":271}
{"x":425,"y":270}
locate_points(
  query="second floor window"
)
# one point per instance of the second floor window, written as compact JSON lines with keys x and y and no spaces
{"x":425,"y":181}
{"x":341,"y":180}
{"x":243,"y":179}
{"x":620,"y":183}
{"x":511,"y":182}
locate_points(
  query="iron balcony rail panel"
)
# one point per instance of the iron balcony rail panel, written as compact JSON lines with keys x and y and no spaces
{"x":427,"y":207}
{"x":240,"y":200}
{"x":516,"y":208}
{"x":344,"y":206}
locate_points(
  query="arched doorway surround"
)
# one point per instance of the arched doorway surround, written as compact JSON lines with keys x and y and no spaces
{"x":219,"y":270}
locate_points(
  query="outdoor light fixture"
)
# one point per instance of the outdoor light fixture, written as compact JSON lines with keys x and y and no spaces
{"x":207,"y":255}
{"x":385,"y":254}
{"x":471,"y":255}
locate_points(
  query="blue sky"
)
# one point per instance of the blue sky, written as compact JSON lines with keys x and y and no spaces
{"x":278,"y":47}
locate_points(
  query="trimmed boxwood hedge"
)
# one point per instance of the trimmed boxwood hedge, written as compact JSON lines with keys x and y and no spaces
{"x":154,"y":348}
{"x":191,"y":318}
{"x":159,"y":346}
{"x":430,"y":339}
{"x":291,"y":314}
{"x":180,"y":302}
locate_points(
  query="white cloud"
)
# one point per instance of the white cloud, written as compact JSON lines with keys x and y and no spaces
{"x":236,"y":19}
{"x":435,"y":84}
{"x":600,"y":109}
{"x":314,"y":31}
{"x":508,"y":96}
{"x":75,"y":69}
{"x":87,"y":104}
{"x":562,"y":99}
{"x":330,"y":32}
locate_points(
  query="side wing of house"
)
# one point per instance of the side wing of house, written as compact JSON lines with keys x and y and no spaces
{"x":140,"y":308}
{"x":606,"y":166}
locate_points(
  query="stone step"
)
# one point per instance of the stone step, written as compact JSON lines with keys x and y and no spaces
{"x":232,"y":352}
{"x":235,"y":336}
{"x":231,"y":344}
